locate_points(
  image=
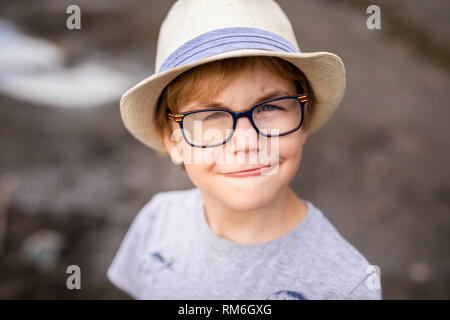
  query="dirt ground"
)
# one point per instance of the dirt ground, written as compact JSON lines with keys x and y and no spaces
{"x":379,"y":169}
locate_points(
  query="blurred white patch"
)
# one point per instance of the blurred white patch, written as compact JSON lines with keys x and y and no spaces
{"x":43,"y":249}
{"x":33,"y":70}
{"x":87,"y":84}
{"x":22,"y":54}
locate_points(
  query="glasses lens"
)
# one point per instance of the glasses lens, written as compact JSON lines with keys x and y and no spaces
{"x":278,"y":117}
{"x":207,"y":128}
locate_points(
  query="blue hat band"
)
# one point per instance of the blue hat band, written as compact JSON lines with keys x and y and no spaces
{"x":223,"y":40}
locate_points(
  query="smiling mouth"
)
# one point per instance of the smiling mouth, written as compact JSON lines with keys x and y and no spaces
{"x":251,"y":172}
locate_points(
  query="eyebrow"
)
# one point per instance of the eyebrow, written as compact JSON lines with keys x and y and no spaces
{"x":270,"y":95}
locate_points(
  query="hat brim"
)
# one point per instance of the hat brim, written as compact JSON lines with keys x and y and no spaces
{"x":324,"y":71}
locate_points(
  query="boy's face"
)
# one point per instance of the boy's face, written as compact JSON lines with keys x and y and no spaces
{"x":213,"y":170}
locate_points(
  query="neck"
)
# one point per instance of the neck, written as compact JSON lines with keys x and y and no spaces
{"x":259,"y":225}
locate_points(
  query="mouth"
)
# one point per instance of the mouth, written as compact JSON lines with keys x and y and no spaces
{"x":249,"y":172}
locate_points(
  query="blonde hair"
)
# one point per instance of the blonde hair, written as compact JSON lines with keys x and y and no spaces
{"x":194,"y":84}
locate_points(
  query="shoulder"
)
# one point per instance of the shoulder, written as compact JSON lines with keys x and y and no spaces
{"x":165,"y":210}
{"x":171,"y":204}
{"x":169,"y":201}
{"x":153,"y":222}
{"x":169,"y":198}
{"x":337,"y":264}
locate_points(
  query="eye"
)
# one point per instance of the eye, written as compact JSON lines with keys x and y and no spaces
{"x":268,"y":108}
{"x":215,"y":115}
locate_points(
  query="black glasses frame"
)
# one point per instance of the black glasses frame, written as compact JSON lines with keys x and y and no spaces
{"x":179,"y":117}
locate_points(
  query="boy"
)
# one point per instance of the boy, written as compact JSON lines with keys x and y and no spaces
{"x":234,"y":101}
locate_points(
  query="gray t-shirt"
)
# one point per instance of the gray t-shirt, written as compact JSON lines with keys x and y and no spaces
{"x":170,"y":252}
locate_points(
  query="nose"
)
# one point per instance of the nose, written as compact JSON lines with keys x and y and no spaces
{"x":244,"y":123}
{"x":245,"y":137}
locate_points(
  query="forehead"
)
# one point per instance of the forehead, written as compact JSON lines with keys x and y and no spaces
{"x":249,"y":87}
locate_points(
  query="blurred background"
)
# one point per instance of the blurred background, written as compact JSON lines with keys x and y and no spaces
{"x":72,"y":178}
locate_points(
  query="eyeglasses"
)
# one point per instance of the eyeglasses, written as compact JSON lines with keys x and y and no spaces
{"x":213,"y":127}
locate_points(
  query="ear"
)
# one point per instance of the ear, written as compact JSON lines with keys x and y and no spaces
{"x":172,"y":146}
{"x":304,"y":136}
{"x":167,"y":140}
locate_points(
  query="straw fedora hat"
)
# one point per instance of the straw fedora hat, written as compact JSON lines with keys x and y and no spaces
{"x":196,"y":32}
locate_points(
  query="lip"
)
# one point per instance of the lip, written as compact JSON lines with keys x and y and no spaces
{"x":249,"y":172}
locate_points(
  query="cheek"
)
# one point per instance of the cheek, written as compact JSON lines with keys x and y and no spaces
{"x":199,"y":163}
{"x":203,"y":158}
{"x":196,"y":173}
{"x":291,"y":147}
